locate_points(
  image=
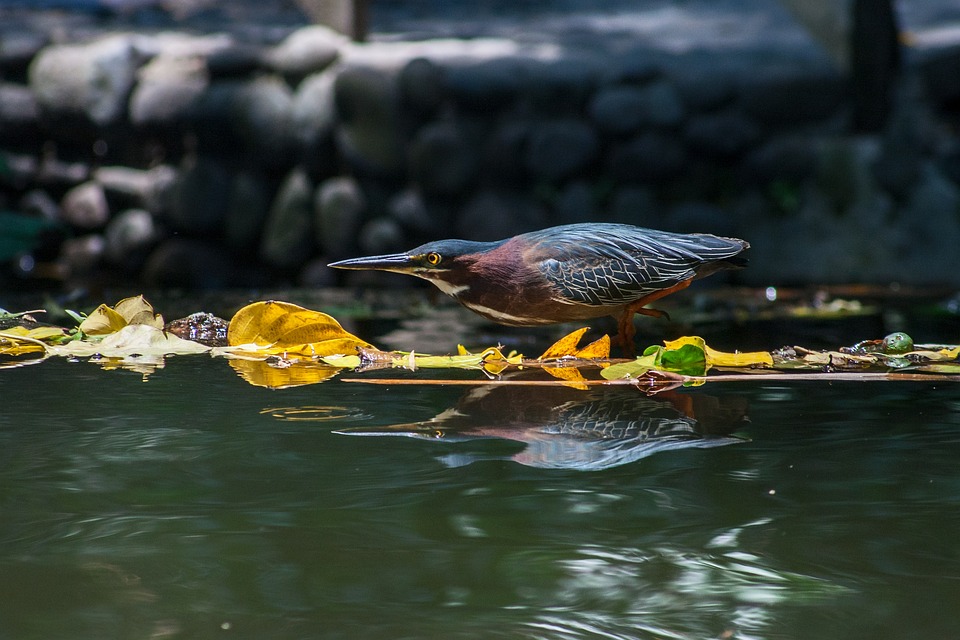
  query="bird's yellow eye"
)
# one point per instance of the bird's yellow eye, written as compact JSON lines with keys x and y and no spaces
{"x":433,"y":259}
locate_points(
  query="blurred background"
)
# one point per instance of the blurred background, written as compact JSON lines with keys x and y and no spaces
{"x":201,"y":145}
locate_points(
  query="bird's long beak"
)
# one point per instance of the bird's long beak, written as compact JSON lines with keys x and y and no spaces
{"x":398,"y":262}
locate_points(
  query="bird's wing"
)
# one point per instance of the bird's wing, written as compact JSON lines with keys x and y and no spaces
{"x":621,"y":264}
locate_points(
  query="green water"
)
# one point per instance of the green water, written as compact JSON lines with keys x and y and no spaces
{"x":192,"y":506}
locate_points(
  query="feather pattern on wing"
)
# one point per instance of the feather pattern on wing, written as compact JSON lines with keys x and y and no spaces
{"x":614,"y":264}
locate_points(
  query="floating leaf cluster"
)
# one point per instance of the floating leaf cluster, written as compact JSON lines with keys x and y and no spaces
{"x":278,"y":344}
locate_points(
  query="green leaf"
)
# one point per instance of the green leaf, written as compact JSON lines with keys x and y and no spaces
{"x":634,"y":368}
{"x":688,"y":360}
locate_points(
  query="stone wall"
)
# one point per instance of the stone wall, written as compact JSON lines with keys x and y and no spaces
{"x":206,"y":161}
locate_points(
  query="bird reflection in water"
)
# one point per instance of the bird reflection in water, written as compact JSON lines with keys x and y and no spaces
{"x":563,"y":428}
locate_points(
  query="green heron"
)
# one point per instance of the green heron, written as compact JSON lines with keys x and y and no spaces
{"x":567,"y":273}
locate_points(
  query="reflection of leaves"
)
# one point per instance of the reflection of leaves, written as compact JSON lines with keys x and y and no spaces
{"x":136,"y":347}
{"x":285,"y":328}
{"x":274,"y":373}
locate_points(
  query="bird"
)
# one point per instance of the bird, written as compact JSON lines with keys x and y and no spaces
{"x":566,"y":273}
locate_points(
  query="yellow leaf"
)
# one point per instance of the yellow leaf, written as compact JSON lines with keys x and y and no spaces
{"x":137,"y":310}
{"x":568,"y":347}
{"x":565,"y":347}
{"x":129,"y":311}
{"x":721,"y":358}
{"x":102,"y":321}
{"x":281,"y":327}
{"x":599,"y":349}
{"x":37,"y":333}
{"x":945,"y":354}
{"x":342,"y":361}
{"x":15,"y":343}
{"x":745,"y":359}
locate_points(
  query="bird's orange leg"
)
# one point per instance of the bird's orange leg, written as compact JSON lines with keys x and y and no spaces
{"x":626,"y":330}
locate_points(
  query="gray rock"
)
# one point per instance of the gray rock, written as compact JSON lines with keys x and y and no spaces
{"x":85,"y":206}
{"x":622,"y":109}
{"x":911,"y":135}
{"x":124,"y":184}
{"x":422,"y":86}
{"x":253,"y":117}
{"x":261,"y":117}
{"x":88,"y":82}
{"x":562,"y":87}
{"x":305,"y":51}
{"x":503,"y":152}
{"x":18,"y":48}
{"x":780,"y":97}
{"x":19,"y":114}
{"x":560,"y":148}
{"x":56,"y":173}
{"x":129,"y":236}
{"x":82,"y":254}
{"x":339,"y":206}
{"x":161,"y":189}
{"x":702,"y":87}
{"x":844,"y":173}
{"x":575,"y":202}
{"x":210,"y":117}
{"x":635,"y":205}
{"x":789,"y":158}
{"x":317,"y":275}
{"x":235,"y":60}
{"x":288,"y":236}
{"x":497,"y":214}
{"x":188,"y":264}
{"x":381,"y":235}
{"x":722,"y":134}
{"x":700,"y":217}
{"x":410,"y":210}
{"x":200,"y":197}
{"x":19,"y":171}
{"x":636,"y":66}
{"x":247,"y":209}
{"x":930,"y":230}
{"x":442,"y":160}
{"x":370,"y":135}
{"x":940,"y":70}
{"x":313,"y":111}
{"x":648,"y":157}
{"x":167,"y":88}
{"x":38,"y":203}
{"x":488,"y":84}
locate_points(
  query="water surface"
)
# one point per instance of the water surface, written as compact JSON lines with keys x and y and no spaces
{"x":194,"y":505}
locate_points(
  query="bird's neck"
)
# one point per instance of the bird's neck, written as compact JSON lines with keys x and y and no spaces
{"x":454,"y":289}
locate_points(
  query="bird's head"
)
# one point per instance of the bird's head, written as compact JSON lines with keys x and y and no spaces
{"x":444,"y":262}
